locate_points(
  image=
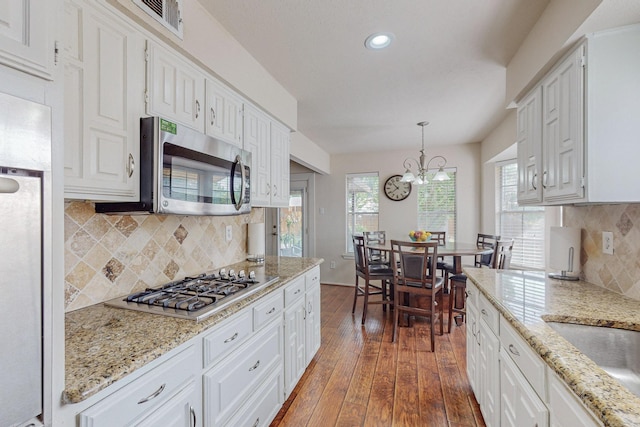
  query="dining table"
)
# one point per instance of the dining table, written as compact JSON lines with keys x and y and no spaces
{"x":456,"y":250}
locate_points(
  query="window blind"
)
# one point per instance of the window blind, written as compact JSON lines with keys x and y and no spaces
{"x":437,"y":206}
{"x":524,"y":224}
{"x":362,"y":205}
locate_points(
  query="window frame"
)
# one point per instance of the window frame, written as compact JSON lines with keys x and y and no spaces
{"x":422,"y":217}
{"x":348,"y":225}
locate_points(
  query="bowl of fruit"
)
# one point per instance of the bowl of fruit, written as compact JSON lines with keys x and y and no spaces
{"x":419,"y":236}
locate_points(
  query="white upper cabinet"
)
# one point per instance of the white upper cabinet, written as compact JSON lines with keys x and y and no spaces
{"x":223,"y":114}
{"x":176,"y":89}
{"x":269,"y":144}
{"x":26,"y":36}
{"x":103,"y":61}
{"x":588,"y":124}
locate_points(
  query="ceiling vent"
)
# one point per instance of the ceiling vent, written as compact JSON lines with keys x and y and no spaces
{"x":166,"y":12}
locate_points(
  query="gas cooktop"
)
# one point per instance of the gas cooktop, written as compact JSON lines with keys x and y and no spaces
{"x":197,"y":297}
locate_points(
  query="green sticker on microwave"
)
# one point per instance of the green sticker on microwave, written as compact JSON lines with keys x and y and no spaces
{"x":167,"y":126}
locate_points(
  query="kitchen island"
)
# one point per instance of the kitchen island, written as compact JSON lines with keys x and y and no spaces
{"x":105,"y":344}
{"x":527,"y":300}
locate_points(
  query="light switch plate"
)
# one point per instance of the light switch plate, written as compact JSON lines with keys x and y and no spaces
{"x":228,"y":233}
{"x":607,"y":242}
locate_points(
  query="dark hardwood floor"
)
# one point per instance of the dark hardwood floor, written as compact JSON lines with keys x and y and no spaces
{"x":360,"y":378}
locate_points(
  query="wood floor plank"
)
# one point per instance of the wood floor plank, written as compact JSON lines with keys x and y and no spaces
{"x":360,"y":378}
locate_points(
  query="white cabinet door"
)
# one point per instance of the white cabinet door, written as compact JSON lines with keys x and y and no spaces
{"x":103,"y":59}
{"x":256,"y":140}
{"x":529,"y":139}
{"x":26,"y":36}
{"x":564,"y":407}
{"x":313,"y":326}
{"x":178,"y":411}
{"x":489,"y":375}
{"x":519,"y":404}
{"x":224,"y":113}
{"x":562,"y":131}
{"x":176,"y":89}
{"x":294,"y":344}
{"x":472,"y":347}
{"x":279,"y":165}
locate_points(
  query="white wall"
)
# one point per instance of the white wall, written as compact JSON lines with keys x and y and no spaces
{"x":397,"y":218}
{"x":309,"y":154}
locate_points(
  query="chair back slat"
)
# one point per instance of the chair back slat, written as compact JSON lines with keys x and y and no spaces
{"x":439,"y":237}
{"x":359,"y":253}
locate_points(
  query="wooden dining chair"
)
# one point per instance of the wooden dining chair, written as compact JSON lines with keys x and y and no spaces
{"x":416,"y":278}
{"x":377,"y":237}
{"x":370,"y":273}
{"x":502,"y":254}
{"x":487,"y":241}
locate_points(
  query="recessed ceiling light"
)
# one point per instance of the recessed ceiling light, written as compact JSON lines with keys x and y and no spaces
{"x":378,"y":41}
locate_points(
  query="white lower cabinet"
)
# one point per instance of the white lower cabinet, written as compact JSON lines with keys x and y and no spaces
{"x":489,"y":375}
{"x":472,"y":337}
{"x":170,"y":389}
{"x":294,"y":333}
{"x":565,"y":410}
{"x":520,"y":405}
{"x":312,"y":321}
{"x":230,"y":385}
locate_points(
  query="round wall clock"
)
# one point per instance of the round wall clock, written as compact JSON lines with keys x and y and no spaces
{"x":396,"y":190}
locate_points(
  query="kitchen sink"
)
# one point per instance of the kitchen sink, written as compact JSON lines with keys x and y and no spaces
{"x":616,"y":351}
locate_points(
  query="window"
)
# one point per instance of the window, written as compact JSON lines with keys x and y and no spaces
{"x":362,"y":204}
{"x":524,"y":224}
{"x":437,"y":206}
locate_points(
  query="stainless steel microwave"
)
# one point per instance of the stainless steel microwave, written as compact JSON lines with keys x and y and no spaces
{"x":185,"y":172}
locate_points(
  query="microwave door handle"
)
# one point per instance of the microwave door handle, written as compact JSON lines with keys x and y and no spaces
{"x":238,"y":203}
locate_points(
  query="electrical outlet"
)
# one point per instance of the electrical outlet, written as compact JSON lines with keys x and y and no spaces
{"x":228,"y":233}
{"x":607,"y":242}
{"x":332,"y":264}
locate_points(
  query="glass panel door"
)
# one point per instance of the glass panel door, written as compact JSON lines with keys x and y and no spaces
{"x":292,"y":224}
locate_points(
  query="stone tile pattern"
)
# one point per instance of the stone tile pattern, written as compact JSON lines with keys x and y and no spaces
{"x":107,"y":256}
{"x":104,"y":344}
{"x":619,"y":272}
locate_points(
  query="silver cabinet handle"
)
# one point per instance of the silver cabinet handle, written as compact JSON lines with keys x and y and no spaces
{"x":297,"y":291}
{"x":484,"y":312}
{"x":275,"y":190}
{"x":268,"y":189}
{"x":273,"y":309}
{"x":533,"y":181}
{"x":544,"y":179}
{"x":254,"y":367}
{"x":310,"y":307}
{"x":228,"y":340}
{"x":213,"y":116}
{"x":193,"y":416}
{"x":514,"y":350}
{"x":257,"y":423}
{"x":152,"y":395}
{"x":132,"y":165}
{"x":197,"y":108}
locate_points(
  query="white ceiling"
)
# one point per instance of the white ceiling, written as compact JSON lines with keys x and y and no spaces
{"x":447,"y":65}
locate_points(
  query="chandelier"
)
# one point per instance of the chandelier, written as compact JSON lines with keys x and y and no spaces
{"x":420,"y":177}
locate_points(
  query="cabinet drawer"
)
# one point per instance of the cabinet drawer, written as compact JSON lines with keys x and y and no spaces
{"x":267,"y":310}
{"x":529,"y":363}
{"x":472,"y":293}
{"x":294,"y":291}
{"x":227,"y":337}
{"x":231,"y":383}
{"x":312,"y":278}
{"x":489,"y":313}
{"x":143,"y":394}
{"x":263,"y":406}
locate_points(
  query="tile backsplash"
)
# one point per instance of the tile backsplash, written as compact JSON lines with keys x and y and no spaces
{"x":111,"y":255}
{"x":619,"y":272}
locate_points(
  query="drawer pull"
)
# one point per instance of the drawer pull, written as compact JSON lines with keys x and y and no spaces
{"x":228,"y":340}
{"x":152,"y":395}
{"x":254,"y":367}
{"x":257,"y":423}
{"x":484,"y":312}
{"x":297,"y":291}
{"x":193,"y":416}
{"x":273,"y":309}
{"x":513,"y":350}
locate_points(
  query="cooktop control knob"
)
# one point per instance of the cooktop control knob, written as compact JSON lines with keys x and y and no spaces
{"x":232,"y":273}
{"x":241,"y":274}
{"x":252,"y":275}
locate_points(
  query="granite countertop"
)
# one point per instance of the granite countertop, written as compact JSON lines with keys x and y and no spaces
{"x":104,"y":344}
{"x":528,"y":299}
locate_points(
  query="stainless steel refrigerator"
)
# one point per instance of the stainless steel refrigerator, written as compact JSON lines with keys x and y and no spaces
{"x":25,"y":130}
